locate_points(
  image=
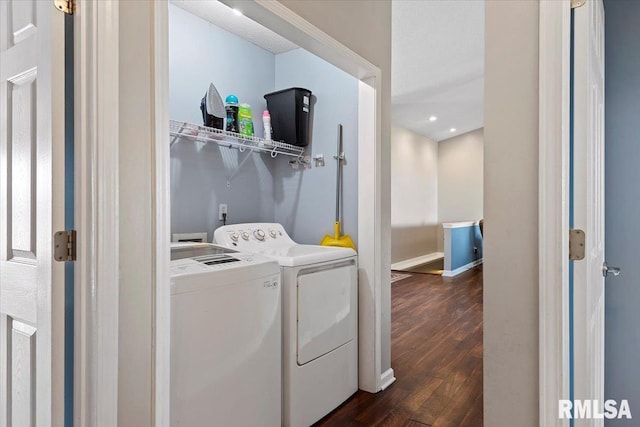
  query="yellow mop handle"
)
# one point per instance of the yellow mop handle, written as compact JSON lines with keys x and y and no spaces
{"x":336,"y":230}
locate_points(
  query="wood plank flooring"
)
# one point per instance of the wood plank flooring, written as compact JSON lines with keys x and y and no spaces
{"x":436,"y":355}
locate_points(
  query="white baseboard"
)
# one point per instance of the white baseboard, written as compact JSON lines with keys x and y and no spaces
{"x":412,"y":262}
{"x":386,"y":379}
{"x":451,"y":273}
{"x":461,"y":224}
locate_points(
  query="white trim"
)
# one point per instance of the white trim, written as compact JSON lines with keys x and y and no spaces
{"x":386,"y":379}
{"x":451,"y":273}
{"x":413,"y":262}
{"x":554,"y":48}
{"x":161,"y":209}
{"x":369,"y":234}
{"x":96,"y":197}
{"x":461,"y":224}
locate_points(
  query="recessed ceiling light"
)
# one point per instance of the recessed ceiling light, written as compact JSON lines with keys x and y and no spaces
{"x":452,"y":130}
{"x":237,"y":12}
{"x":433,"y":118}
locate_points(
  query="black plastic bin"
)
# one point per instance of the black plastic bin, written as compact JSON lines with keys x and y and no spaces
{"x":290,"y":110}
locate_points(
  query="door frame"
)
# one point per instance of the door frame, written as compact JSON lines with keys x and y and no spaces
{"x":553,"y":208}
{"x":161,"y":207}
{"x":97,"y":194}
{"x":96,"y":308}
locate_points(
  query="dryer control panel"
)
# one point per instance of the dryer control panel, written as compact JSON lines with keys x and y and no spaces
{"x":253,"y":236}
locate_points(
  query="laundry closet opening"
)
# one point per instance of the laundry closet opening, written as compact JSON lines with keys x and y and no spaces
{"x":267,"y":141}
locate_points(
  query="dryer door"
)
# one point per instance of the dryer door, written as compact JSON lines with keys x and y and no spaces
{"x":327,"y":310}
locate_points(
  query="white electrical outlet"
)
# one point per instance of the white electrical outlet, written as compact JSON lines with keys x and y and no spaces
{"x":222,"y":209}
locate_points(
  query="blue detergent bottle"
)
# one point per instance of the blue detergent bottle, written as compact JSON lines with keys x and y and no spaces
{"x":231,"y":106}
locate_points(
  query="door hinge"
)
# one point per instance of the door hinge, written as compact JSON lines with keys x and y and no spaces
{"x":67,"y":6}
{"x":576,"y":244}
{"x":64,"y":246}
{"x":577,"y":3}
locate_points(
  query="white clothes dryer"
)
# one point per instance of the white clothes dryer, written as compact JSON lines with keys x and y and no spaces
{"x":320,"y":318}
{"x":226,"y":347}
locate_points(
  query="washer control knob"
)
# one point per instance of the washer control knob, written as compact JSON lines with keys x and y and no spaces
{"x":234,"y":236}
{"x":273,"y":233}
{"x":259,"y":234}
{"x":245,"y":235}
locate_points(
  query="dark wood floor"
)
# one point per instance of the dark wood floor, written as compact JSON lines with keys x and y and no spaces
{"x":436,"y":354}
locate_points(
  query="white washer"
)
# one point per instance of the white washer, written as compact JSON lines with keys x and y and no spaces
{"x":226,"y":347}
{"x":319,"y":309}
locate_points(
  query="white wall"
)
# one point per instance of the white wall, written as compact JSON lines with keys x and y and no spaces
{"x":414,"y":194}
{"x":305,"y":199}
{"x":432,"y":183}
{"x":511,"y":209}
{"x":135,"y":363}
{"x":460,"y":177}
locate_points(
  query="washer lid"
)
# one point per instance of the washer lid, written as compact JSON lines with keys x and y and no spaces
{"x":193,"y":250}
{"x":297,"y":255}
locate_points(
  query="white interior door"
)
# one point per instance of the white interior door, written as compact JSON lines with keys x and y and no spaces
{"x":588,"y":187}
{"x":31,"y":209}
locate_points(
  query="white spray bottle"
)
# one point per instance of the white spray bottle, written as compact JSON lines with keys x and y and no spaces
{"x":266,"y":123}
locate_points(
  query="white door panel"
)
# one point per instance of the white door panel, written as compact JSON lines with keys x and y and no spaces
{"x":31,"y":138}
{"x":588,"y":294}
{"x":326,"y":311}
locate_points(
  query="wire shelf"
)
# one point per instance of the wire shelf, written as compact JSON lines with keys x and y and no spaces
{"x":206,"y":134}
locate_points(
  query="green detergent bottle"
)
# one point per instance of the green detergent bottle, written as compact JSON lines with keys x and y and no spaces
{"x":245,"y":120}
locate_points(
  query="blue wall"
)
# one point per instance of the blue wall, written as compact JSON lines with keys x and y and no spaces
{"x":305,"y":200}
{"x":622,"y":208}
{"x":264,"y":189}
{"x":201,"y":53}
{"x":463,"y":240}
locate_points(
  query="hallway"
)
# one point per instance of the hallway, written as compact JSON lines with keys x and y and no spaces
{"x":436,"y":353}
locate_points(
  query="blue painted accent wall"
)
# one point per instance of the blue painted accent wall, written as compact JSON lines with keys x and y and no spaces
{"x":622,"y":208}
{"x":463,"y":240}
{"x":571,"y":206}
{"x":69,"y":220}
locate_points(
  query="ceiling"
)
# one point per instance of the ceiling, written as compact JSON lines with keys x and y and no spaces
{"x":224,"y":17}
{"x":438,"y":66}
